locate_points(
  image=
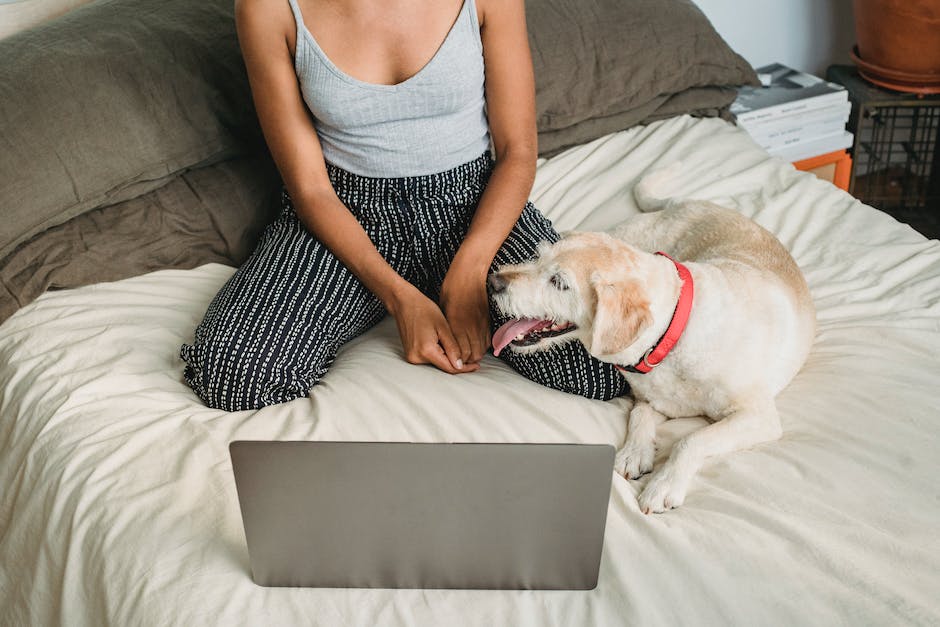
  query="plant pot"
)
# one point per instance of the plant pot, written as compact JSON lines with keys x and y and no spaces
{"x":899,"y":43}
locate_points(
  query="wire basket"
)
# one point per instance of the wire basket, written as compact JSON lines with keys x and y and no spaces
{"x":895,"y":156}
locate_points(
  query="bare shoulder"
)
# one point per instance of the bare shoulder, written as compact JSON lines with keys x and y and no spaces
{"x":258,"y":9}
{"x":264,"y":18}
{"x":498,"y":10}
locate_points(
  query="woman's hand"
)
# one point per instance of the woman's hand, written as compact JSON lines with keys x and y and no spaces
{"x":465,"y":305}
{"x":425,"y":334}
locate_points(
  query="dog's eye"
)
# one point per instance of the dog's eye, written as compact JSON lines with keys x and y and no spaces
{"x":558,"y":282}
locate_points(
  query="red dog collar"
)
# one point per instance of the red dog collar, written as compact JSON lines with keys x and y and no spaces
{"x":680,"y":317}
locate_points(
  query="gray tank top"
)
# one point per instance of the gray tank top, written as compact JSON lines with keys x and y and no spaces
{"x":429,"y":123}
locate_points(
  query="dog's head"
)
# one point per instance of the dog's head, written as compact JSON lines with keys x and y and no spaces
{"x":587,"y":286}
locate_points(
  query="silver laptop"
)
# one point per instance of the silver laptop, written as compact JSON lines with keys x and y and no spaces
{"x":407,"y":515}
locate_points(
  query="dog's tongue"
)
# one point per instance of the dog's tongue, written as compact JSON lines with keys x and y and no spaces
{"x":505,"y":334}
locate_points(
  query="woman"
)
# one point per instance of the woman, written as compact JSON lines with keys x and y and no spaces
{"x":379,"y":115}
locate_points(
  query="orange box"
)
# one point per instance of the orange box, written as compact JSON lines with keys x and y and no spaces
{"x":835,"y":167}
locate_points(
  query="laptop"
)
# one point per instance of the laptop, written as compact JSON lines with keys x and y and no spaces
{"x":411,"y":515}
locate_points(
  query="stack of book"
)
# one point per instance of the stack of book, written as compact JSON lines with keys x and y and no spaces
{"x":794,"y":115}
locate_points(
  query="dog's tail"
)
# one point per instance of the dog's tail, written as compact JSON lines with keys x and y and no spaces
{"x":649,"y":192}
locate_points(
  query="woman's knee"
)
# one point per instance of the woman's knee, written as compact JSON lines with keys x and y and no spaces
{"x":234,"y":377}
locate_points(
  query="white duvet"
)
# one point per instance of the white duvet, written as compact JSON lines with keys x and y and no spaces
{"x":117,"y":503}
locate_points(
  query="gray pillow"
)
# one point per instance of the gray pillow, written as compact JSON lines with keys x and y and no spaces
{"x":110,"y":101}
{"x":606,"y":65}
{"x":210,"y":214}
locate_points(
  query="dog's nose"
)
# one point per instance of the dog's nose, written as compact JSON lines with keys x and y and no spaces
{"x":497,"y":283}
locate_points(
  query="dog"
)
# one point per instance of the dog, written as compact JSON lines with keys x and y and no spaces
{"x":703,"y":311}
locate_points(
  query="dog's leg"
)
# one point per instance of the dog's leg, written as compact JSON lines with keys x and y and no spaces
{"x":749,"y":424}
{"x":636,"y":457}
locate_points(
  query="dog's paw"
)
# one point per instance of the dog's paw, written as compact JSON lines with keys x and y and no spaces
{"x":664,"y":491}
{"x":635,"y":459}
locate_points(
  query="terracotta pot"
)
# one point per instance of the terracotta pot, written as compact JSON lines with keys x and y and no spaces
{"x":900,"y":37}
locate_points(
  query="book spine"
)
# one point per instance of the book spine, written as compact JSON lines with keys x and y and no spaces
{"x":835,"y":113}
{"x":791,"y":108}
{"x":799,"y":133}
{"x":814,"y":147}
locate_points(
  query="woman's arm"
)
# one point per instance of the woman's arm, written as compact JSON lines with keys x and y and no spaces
{"x":510,"y":102}
{"x":265,"y":28}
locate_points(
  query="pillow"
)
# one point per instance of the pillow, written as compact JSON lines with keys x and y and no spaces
{"x":110,"y":101}
{"x":606,"y":65}
{"x":205,"y":215}
{"x":17,"y":15}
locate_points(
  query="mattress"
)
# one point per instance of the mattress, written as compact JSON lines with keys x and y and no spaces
{"x":118,"y":506}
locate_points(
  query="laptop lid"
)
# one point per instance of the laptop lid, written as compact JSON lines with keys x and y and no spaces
{"x":410,"y":515}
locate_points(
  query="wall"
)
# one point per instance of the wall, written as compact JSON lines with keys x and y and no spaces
{"x":808,"y":35}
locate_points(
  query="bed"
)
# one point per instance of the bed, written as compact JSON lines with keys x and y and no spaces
{"x":118,"y":506}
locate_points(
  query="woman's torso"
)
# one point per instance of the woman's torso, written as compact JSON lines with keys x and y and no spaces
{"x":429,"y":122}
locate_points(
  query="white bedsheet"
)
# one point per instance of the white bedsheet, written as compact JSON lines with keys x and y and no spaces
{"x":118,"y":504}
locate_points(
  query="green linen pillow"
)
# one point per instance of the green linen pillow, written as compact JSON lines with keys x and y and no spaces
{"x":606,"y":65}
{"x":111,"y":101}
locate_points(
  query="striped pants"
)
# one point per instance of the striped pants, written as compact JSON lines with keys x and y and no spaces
{"x":274,"y":328}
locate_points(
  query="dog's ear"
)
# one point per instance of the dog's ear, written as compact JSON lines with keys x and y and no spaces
{"x":622,"y":312}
